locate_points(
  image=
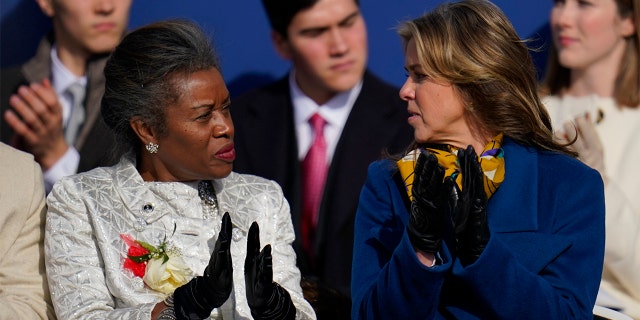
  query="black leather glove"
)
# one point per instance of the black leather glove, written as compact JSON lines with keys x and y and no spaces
{"x":267,"y":299}
{"x":470,"y":213}
{"x":197,"y":298}
{"x":427,"y":220}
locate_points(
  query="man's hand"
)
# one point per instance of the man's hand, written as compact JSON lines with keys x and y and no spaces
{"x":36,"y":119}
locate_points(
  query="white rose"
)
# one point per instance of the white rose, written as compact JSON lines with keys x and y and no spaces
{"x":166,"y":277}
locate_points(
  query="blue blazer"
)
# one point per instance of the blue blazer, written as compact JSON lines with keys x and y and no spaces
{"x":543,"y":260}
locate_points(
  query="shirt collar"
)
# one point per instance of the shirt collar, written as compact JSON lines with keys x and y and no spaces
{"x":62,"y":77}
{"x":335,"y":111}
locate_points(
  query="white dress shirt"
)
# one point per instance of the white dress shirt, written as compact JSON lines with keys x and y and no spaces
{"x":62,"y":79}
{"x":335,"y":112}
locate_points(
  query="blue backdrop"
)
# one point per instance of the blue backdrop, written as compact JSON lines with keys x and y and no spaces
{"x":241,"y":33}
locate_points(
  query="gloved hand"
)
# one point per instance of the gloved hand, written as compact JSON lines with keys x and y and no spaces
{"x":429,"y":208}
{"x":197,"y":298}
{"x":587,"y":143}
{"x":267,"y":299}
{"x":470,"y":212}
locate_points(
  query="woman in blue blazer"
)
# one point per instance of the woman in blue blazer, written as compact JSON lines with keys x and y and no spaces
{"x":512,"y":231}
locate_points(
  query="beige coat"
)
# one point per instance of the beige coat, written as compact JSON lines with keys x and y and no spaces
{"x":23,"y":285}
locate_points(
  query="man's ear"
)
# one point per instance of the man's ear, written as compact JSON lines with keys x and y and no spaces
{"x":143,"y":131}
{"x":281,"y":45}
{"x":47,"y":7}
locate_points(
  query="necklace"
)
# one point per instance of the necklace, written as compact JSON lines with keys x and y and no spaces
{"x":209,"y":200}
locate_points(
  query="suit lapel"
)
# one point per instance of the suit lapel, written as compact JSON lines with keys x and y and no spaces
{"x":364,"y":136}
{"x":95,"y":91}
{"x":268,"y":135}
{"x":39,"y":67}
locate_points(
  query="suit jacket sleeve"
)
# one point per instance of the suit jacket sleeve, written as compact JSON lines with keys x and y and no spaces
{"x":23,"y":293}
{"x":386,"y":272}
{"x":285,"y":271}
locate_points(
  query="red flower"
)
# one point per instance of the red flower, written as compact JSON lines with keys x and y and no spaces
{"x":137,"y":256}
{"x":137,"y":250}
{"x":138,"y":268}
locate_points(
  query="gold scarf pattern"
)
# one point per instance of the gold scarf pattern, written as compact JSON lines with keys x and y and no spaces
{"x":491,"y":160}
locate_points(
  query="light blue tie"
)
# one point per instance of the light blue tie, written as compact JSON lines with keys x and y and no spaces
{"x":77,"y":114}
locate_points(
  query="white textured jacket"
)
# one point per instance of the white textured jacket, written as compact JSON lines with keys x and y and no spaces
{"x":84,"y":252}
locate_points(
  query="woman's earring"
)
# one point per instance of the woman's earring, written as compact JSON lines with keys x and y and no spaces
{"x":152,"y":147}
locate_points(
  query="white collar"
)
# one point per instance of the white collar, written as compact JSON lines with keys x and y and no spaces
{"x":62,"y":77}
{"x":335,"y":111}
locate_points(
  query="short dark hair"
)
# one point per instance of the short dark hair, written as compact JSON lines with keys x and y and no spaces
{"x":144,"y":72}
{"x":280,"y":12}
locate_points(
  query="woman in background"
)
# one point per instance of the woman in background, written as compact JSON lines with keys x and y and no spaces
{"x":593,"y":92}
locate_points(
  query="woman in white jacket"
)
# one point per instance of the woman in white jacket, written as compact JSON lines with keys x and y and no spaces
{"x":143,"y":239}
{"x":593,"y":82}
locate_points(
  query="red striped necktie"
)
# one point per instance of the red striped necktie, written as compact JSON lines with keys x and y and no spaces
{"x":314,"y":171}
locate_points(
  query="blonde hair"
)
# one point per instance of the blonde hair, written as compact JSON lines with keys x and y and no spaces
{"x":627,"y":83}
{"x":472,"y":45}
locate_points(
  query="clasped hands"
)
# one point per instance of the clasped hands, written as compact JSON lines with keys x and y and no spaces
{"x":438,"y":205}
{"x":36,"y":119}
{"x":266,"y":298}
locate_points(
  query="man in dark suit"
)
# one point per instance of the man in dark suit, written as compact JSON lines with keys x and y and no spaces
{"x":326,"y":42}
{"x":51,"y":105}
